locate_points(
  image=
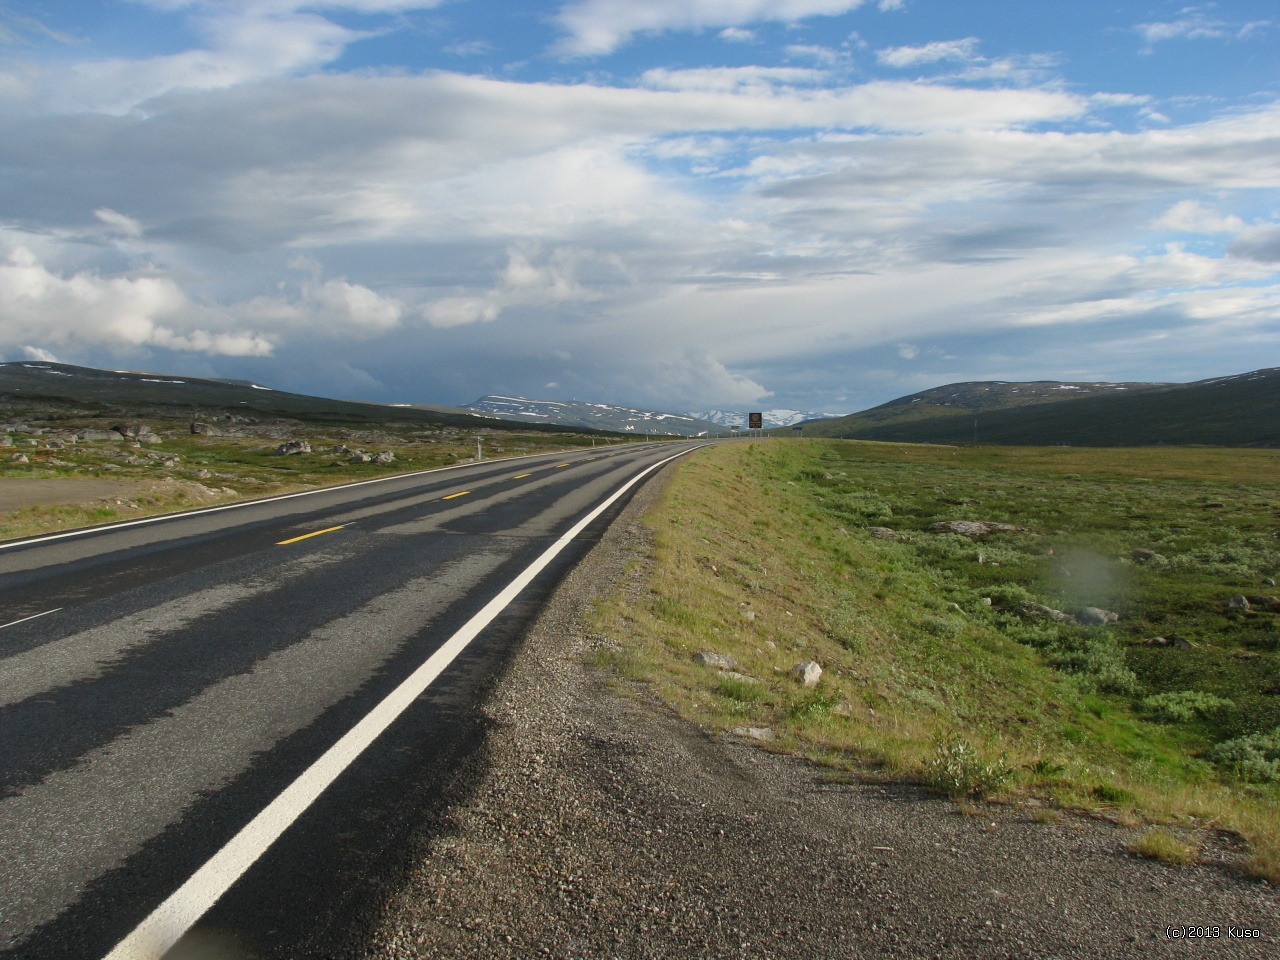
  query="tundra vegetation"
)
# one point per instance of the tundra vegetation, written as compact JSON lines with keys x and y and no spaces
{"x":975,"y":664}
{"x":167,"y":466}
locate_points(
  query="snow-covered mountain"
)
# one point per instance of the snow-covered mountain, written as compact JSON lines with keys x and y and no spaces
{"x":595,"y":416}
{"x":772,"y":418}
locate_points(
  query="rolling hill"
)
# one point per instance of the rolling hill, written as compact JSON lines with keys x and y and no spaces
{"x":60,"y":383}
{"x":1233,"y":411}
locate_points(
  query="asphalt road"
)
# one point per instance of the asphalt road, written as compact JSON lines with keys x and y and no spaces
{"x":176,"y":693}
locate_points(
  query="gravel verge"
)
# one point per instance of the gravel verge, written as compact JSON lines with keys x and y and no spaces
{"x":604,"y":826}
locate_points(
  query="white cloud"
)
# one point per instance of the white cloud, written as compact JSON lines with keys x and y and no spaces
{"x":696,"y":379}
{"x":38,"y":353}
{"x":1196,"y":25}
{"x":962,"y":50}
{"x":736,"y":35}
{"x":596,"y":27}
{"x":245,"y":41}
{"x":1190,"y":216}
{"x":753,"y":81}
{"x":121,"y":223}
{"x":522,"y":283}
{"x":908,"y":351}
{"x":116,"y":311}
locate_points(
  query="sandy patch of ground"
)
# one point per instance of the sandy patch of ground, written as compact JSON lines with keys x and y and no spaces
{"x":19,"y":492}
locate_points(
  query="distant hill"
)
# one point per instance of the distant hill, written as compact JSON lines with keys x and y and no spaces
{"x":771,"y":418}
{"x":1235,"y":411}
{"x":136,"y":391}
{"x":577,"y":414}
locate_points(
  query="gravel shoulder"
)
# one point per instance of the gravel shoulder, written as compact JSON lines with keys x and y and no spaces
{"x":604,"y":826}
{"x":19,"y":492}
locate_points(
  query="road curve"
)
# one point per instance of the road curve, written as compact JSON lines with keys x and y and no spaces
{"x":187,"y":704}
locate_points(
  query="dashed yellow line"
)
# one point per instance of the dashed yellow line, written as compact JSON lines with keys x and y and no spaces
{"x":308,"y":536}
{"x":452,"y":495}
{"x":521,"y":476}
{"x":559,"y":465}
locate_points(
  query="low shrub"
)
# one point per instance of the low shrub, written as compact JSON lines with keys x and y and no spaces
{"x":1181,"y":706}
{"x":959,"y":770}
{"x":1255,"y":758}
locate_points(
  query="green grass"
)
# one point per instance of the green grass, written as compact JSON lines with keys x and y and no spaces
{"x":1167,"y":847}
{"x":928,"y":671}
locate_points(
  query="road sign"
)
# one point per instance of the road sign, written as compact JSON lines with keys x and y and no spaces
{"x":755,"y":421}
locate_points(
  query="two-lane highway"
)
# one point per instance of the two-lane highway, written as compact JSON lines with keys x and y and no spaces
{"x":187,"y":704}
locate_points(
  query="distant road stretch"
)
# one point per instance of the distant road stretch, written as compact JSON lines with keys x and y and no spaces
{"x":227,"y":728}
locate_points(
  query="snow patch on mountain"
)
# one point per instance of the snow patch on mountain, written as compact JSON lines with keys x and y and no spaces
{"x":772,"y":418}
{"x":594,"y":416}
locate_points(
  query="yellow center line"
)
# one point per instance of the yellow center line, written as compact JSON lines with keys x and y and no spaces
{"x":452,"y":495}
{"x":308,"y":536}
{"x":521,"y":476}
{"x":559,"y":465}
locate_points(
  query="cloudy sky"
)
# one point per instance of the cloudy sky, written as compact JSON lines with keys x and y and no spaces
{"x":681,"y":204}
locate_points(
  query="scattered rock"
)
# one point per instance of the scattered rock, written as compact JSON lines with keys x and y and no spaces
{"x":1238,"y":602}
{"x":1143,"y":555}
{"x":1096,"y":616}
{"x":843,"y":709}
{"x":18,"y":458}
{"x":292,"y":447}
{"x":132,"y":429}
{"x":98,"y":435}
{"x":203,"y":474}
{"x":1038,"y":611}
{"x":205,"y":429}
{"x":360,"y":456}
{"x":6,"y":441}
{"x":1269,"y":581}
{"x":882,"y":533}
{"x":735,"y":675}
{"x":721,"y":661}
{"x":807,"y":672}
{"x":763,"y":734}
{"x":972,"y":528}
{"x":1176,"y":642}
{"x":748,"y":615}
{"x":385,"y":456}
{"x":1270,"y":604}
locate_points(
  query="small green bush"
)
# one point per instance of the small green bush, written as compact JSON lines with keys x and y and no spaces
{"x":1255,"y":758}
{"x":958,"y":770}
{"x":1182,"y":706}
{"x":1006,"y":596}
{"x":1097,"y":663}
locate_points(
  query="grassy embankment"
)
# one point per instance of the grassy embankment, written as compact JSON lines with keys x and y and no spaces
{"x":185,"y":470}
{"x":762,"y":552}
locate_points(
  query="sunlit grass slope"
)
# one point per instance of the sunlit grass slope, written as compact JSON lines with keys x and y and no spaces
{"x":762,"y":551}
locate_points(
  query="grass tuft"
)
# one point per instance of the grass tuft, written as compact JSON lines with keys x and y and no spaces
{"x":1165,"y":846}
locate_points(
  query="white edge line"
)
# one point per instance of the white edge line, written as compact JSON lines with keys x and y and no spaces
{"x":165,"y":926}
{"x":34,"y":616}
{"x":160,"y":518}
